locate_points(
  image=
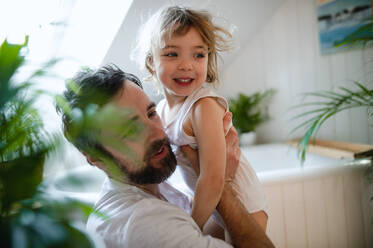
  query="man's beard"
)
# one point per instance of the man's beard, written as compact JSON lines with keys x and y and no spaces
{"x":150,"y":174}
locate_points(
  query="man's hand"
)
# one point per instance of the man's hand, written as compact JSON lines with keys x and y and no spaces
{"x":192,"y":156}
{"x":233,"y":154}
{"x":232,"y":149}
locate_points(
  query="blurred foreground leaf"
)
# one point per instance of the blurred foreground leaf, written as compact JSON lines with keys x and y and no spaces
{"x":28,"y":216}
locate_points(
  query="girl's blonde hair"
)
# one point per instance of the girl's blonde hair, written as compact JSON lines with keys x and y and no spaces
{"x":178,"y":20}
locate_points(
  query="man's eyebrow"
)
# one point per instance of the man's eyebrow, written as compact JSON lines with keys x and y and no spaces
{"x":150,"y":106}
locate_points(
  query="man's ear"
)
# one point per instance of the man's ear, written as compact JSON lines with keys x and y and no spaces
{"x":94,"y":162}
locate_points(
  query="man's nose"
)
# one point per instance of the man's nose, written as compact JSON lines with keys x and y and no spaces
{"x":155,"y":131}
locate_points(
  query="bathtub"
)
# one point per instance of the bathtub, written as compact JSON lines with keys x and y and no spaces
{"x":325,"y":203}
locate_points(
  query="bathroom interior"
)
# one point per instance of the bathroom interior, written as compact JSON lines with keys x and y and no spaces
{"x":324,"y":201}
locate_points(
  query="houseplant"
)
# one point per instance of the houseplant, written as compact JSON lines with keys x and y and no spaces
{"x":329,"y":103}
{"x":249,"y":111}
{"x":30,"y":217}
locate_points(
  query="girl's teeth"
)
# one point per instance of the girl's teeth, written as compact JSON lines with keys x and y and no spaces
{"x":184,"y":80}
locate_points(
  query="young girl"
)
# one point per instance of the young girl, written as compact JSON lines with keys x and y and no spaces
{"x":180,"y":48}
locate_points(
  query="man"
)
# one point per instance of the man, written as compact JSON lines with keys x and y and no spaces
{"x":140,"y":208}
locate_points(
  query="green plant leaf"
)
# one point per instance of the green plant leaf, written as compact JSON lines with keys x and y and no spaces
{"x":10,"y":60}
{"x":310,"y":112}
{"x":336,"y":102}
{"x":28,"y":171}
{"x":250,"y":111}
{"x":28,"y":217}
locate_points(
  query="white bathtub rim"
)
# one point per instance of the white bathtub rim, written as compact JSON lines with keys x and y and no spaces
{"x":300,"y":174}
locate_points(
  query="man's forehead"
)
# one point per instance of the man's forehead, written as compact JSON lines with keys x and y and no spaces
{"x":133,"y":97}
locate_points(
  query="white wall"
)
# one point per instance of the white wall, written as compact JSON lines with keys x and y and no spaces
{"x":285,"y":55}
{"x":251,"y":14}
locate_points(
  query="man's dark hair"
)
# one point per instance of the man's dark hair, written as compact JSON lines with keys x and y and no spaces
{"x":92,"y":87}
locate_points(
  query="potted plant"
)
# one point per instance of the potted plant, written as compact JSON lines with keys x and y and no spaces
{"x":249,"y":111}
{"x":329,"y":103}
{"x":30,"y":217}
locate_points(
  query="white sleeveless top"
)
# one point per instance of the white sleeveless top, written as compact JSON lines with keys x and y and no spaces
{"x":247,"y":184}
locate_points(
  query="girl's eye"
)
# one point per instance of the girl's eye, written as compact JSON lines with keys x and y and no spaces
{"x":171,"y":54}
{"x":200,"y":55}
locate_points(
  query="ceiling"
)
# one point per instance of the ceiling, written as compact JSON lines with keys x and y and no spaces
{"x":243,"y":17}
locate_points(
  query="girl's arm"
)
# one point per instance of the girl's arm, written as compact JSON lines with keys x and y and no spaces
{"x":206,"y":120}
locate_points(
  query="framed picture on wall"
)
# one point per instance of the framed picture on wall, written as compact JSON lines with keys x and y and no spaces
{"x":339,"y":18}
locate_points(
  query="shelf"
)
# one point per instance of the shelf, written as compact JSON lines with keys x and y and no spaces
{"x":336,"y":149}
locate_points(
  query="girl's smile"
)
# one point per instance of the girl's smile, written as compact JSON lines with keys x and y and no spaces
{"x":184,"y":82}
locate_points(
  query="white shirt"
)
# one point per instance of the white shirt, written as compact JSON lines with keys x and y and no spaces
{"x":133,"y":218}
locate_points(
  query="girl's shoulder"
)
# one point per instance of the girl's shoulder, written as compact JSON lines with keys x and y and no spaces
{"x":208,"y":98}
{"x":203,"y":101}
{"x":208,"y":105}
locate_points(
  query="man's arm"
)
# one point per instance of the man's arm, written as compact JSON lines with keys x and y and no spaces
{"x":243,"y":229}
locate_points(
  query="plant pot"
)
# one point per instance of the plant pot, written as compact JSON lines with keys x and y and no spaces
{"x":247,"y":139}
